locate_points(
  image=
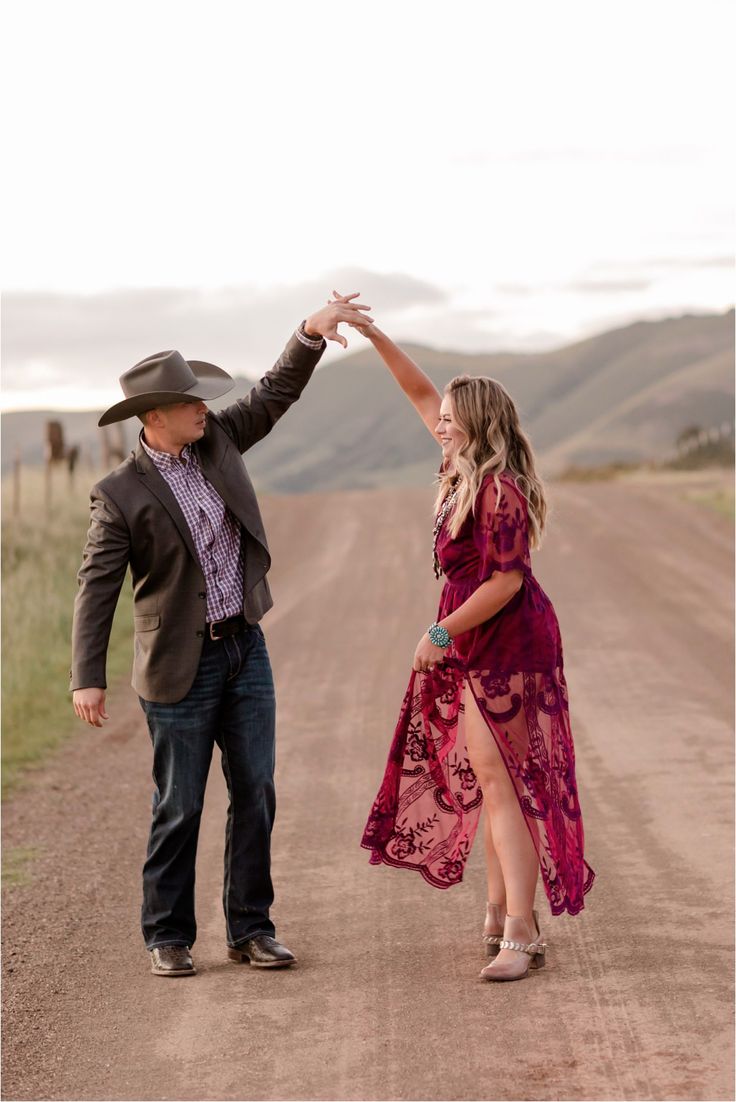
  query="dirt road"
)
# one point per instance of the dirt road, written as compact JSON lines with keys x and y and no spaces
{"x":385,"y":1003}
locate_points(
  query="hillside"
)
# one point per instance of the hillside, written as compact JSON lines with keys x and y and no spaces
{"x":621,"y":395}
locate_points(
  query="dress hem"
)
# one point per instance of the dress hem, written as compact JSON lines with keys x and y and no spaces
{"x":380,"y":857}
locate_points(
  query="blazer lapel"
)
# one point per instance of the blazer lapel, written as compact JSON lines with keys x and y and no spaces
{"x":215,"y":477}
{"x":157,"y":484}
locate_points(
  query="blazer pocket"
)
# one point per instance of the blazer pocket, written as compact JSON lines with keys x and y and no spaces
{"x":147,"y":621}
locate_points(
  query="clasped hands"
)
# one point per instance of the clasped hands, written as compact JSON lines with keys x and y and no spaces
{"x":341,"y":308}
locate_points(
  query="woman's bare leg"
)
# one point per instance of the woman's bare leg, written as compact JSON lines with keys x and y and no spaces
{"x":510,"y":838}
{"x":496,"y":886}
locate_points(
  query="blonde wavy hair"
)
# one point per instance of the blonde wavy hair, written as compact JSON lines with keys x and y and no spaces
{"x":495,"y":442}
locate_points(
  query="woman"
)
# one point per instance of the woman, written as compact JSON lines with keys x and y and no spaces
{"x":485,"y":718}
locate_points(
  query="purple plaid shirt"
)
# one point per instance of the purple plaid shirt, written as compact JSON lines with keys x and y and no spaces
{"x":215,"y":531}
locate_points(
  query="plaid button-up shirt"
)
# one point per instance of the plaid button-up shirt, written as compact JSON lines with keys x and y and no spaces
{"x":215,"y":531}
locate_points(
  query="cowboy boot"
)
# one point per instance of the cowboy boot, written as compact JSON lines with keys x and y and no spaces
{"x":524,"y":950}
{"x":493,"y":927}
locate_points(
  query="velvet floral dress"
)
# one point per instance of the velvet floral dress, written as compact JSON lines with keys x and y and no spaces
{"x":426,"y":812}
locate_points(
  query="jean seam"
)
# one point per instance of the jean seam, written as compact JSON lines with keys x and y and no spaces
{"x":239,"y":665}
{"x":228,"y":871}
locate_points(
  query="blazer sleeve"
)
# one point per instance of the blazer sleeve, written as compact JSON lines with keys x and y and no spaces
{"x":104,"y":563}
{"x":251,"y":418}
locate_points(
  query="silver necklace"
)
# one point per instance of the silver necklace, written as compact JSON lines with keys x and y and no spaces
{"x":447,"y":504}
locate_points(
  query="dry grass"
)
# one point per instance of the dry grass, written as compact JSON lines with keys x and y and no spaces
{"x":708,"y":487}
{"x":40,"y":557}
{"x":719,"y":499}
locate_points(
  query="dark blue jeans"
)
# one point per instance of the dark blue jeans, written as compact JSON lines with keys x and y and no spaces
{"x":231,"y":703}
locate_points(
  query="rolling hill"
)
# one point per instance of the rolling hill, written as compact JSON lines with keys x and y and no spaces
{"x":620,"y":395}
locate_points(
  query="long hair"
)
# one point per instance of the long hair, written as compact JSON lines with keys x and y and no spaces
{"x":495,"y":443}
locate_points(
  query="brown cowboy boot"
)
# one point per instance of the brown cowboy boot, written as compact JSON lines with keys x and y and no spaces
{"x":523,"y":951}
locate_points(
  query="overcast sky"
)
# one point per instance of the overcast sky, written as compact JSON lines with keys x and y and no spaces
{"x":489,"y":175}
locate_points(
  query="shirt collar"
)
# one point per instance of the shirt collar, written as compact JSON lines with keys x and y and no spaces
{"x":164,"y":460}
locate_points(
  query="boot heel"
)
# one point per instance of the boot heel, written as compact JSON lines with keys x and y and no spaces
{"x":538,"y":960}
{"x":492,"y":948}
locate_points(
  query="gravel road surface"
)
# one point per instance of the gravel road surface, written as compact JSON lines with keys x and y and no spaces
{"x":636,"y":1000}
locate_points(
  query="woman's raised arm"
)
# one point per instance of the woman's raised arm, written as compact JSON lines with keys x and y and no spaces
{"x":418,"y":387}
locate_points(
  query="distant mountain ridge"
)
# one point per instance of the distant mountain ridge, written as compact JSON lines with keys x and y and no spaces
{"x":620,"y":395}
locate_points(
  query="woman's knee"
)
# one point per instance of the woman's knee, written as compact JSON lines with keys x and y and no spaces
{"x":495,"y":783}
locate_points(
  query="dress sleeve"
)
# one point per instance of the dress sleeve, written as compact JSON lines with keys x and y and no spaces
{"x":500,"y":530}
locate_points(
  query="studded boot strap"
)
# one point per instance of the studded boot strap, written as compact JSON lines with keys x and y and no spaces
{"x":532,"y":949}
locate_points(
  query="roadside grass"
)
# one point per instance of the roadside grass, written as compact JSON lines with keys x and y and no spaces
{"x":17,"y":865}
{"x":720,"y":501}
{"x":711,"y":487}
{"x":40,"y":557}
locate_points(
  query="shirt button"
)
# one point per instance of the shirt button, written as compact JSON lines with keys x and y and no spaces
{"x":200,"y":634}
{"x":202,"y":595}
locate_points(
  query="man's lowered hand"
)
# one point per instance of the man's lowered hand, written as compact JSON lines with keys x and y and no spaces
{"x":89,"y":704}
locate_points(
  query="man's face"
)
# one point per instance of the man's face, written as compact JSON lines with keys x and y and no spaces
{"x":182,"y":422}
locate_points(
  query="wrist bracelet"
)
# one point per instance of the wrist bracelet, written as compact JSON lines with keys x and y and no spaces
{"x":438,"y":635}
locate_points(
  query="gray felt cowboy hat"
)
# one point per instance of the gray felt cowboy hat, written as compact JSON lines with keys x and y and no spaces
{"x":165,"y":378}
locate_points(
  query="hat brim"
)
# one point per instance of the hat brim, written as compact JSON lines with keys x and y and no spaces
{"x":212,"y":382}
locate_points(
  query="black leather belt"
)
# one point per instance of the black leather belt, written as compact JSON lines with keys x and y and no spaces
{"x":221,"y":629}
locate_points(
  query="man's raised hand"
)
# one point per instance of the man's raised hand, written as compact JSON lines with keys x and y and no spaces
{"x":361,"y":323}
{"x":324,"y":322}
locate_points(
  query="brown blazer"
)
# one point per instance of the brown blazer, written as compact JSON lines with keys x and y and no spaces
{"x":136,"y":522}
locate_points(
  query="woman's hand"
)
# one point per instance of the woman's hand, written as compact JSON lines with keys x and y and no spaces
{"x":427,"y":655}
{"x":363,"y":325}
{"x":324,"y":322}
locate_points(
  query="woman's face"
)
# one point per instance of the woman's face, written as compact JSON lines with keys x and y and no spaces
{"x":449,"y":433}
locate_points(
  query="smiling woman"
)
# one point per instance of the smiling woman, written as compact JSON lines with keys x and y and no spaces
{"x":485,"y":719}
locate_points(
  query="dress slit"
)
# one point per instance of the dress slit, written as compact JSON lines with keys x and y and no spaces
{"x":495,"y":735}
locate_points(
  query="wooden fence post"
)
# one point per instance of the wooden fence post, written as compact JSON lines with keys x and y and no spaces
{"x":16,"y":483}
{"x":47,"y":487}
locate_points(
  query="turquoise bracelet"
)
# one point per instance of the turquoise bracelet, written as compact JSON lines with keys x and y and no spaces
{"x":438,"y":635}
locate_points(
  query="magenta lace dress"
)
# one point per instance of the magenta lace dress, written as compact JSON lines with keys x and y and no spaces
{"x":426,"y":812}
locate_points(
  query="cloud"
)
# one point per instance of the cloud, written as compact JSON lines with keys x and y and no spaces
{"x":689,"y":262}
{"x":92,"y":339}
{"x":609,"y":286}
{"x":660,"y":263}
{"x":515,"y":289}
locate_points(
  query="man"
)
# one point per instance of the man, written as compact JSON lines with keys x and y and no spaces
{"x":182,"y":514}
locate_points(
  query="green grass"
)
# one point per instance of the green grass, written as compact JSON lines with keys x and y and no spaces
{"x":16,"y":865}
{"x":41,"y":553}
{"x":720,"y":501}
{"x":604,"y":472}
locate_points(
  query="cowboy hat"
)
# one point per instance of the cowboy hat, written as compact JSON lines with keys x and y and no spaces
{"x":164,"y":378}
